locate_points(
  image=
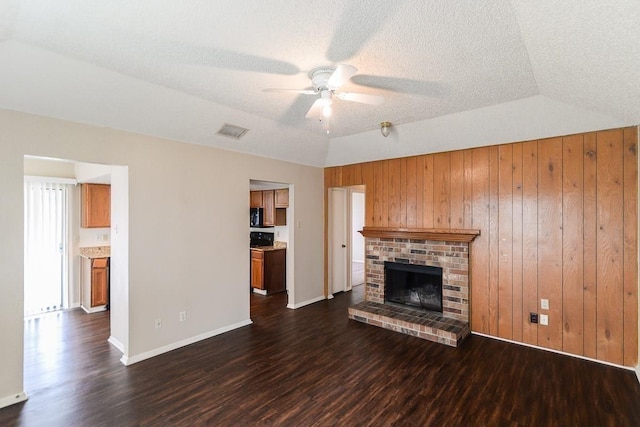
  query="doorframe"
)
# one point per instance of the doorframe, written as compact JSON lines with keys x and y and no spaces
{"x":348,"y":238}
{"x":355,"y":190}
{"x":119,"y":321}
{"x":269,"y":184}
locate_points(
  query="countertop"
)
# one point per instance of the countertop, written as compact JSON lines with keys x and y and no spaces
{"x":96,"y":252}
{"x":276,"y":246}
{"x":267,"y":248}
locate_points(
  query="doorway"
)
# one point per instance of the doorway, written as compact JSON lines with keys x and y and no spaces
{"x":270,"y":245}
{"x":116,"y":320}
{"x":346,"y":244}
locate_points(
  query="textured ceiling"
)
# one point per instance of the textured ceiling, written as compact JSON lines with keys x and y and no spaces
{"x":181,"y":69}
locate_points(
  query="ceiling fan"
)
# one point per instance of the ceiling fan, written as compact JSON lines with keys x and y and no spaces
{"x":326,"y":82}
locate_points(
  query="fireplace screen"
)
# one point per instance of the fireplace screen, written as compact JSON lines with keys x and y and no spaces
{"x":413,"y":285}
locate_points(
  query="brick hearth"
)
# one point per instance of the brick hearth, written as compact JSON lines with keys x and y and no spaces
{"x":450,"y":327}
{"x":422,"y":324}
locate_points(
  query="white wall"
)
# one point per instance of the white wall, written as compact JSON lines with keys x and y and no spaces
{"x":522,"y":120}
{"x":187,"y":226}
{"x":94,"y":237}
{"x":49,"y":168}
{"x":93,"y":173}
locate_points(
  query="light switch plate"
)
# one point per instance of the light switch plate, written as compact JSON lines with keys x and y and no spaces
{"x":544,"y":320}
{"x":544,"y":304}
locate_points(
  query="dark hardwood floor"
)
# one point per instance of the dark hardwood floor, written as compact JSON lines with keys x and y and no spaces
{"x":310,"y":367}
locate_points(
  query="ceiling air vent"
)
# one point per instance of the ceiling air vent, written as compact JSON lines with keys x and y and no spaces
{"x":232,"y":131}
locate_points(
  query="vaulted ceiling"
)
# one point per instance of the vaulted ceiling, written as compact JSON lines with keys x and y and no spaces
{"x":452,"y":73}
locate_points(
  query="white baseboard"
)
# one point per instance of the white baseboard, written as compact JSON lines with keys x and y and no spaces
{"x":259,"y":291}
{"x":602,"y":362}
{"x":116,"y":343}
{"x":13,"y":399}
{"x":94,"y":309}
{"x":130,"y":360}
{"x":638,"y":372}
{"x":302,"y":304}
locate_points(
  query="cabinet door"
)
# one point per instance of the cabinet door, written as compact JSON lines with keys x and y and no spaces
{"x":269,"y":208}
{"x":257,"y":270}
{"x":255,"y":199}
{"x":275,"y":276}
{"x":99,"y":282}
{"x":282,"y":198}
{"x":96,"y":206}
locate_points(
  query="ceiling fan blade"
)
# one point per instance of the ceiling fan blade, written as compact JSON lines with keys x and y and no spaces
{"x":351,"y":36}
{"x":341,"y":75}
{"x":302,"y":91}
{"x":316,"y":109}
{"x":401,"y":85}
{"x":362,"y":98}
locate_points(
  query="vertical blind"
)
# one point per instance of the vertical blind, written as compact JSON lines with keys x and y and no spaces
{"x":45,"y":258}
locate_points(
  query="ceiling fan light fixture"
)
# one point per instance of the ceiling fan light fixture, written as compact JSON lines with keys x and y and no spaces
{"x":385,"y":128}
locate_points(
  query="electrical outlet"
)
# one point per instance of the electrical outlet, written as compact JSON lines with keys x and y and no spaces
{"x":183,"y":316}
{"x":544,"y":304}
{"x":544,"y":319}
{"x":158,"y":323}
{"x":533,"y":317}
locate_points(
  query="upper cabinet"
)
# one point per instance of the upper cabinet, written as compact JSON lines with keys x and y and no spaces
{"x":274,"y":203}
{"x":269,"y":215}
{"x":96,"y":206}
{"x":282,"y":198}
{"x":255,"y":199}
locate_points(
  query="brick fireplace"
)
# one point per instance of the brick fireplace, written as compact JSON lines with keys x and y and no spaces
{"x":447,"y":249}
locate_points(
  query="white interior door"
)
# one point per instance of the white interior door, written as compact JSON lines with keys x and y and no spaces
{"x":338,"y":241}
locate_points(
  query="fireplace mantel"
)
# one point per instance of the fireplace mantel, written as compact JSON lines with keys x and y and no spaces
{"x":437,"y":234}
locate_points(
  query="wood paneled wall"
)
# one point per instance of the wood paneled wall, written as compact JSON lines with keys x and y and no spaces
{"x":558,"y":220}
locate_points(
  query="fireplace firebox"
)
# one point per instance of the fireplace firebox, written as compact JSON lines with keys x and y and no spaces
{"x":417,"y":286}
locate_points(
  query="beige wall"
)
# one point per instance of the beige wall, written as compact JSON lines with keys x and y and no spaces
{"x":187,"y":232}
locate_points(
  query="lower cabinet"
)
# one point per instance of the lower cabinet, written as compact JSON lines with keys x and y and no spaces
{"x":99,"y":281}
{"x":268,"y":270}
{"x":95,"y":284}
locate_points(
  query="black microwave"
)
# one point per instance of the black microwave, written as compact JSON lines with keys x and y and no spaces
{"x":256,"y":216}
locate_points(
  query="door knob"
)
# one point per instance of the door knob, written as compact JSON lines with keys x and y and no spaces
{"x":344,"y":246}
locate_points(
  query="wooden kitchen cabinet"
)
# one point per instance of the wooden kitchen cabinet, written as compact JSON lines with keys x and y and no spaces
{"x":268,"y":270}
{"x":269,"y":214}
{"x":99,"y":281}
{"x":255,"y":199}
{"x":274,"y":204}
{"x":96,"y":206}
{"x":282,"y":198}
{"x":257,"y":269}
{"x":94,"y":292}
